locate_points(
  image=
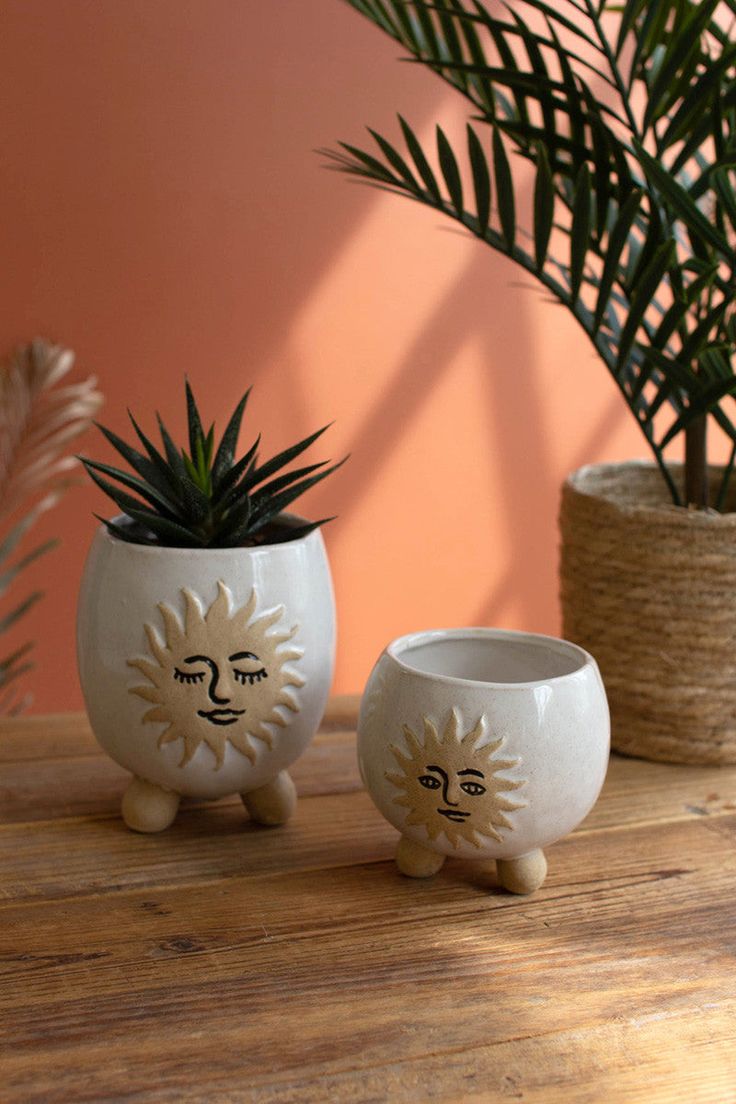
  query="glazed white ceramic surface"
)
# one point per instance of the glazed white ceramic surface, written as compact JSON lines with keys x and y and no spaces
{"x":122,"y":587}
{"x":542,"y":697}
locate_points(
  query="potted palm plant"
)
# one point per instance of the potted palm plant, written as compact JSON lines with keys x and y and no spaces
{"x":626,"y":114}
{"x":206,"y":623}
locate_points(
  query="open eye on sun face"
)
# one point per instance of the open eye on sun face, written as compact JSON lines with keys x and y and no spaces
{"x":473,"y":788}
{"x":429,"y":782}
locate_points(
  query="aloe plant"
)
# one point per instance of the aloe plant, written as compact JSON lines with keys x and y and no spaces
{"x":205,"y":497}
{"x":627,"y":113}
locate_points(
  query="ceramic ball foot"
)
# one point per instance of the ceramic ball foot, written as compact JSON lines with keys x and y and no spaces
{"x":416,"y":861}
{"x":522,"y":875}
{"x":147,"y":807}
{"x":273,"y":803}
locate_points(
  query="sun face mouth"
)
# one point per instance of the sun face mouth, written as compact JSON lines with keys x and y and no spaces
{"x":454,"y":814}
{"x":221,"y":716}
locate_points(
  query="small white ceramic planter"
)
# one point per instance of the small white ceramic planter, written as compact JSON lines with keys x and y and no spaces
{"x":206,"y":671}
{"x":483,"y":744}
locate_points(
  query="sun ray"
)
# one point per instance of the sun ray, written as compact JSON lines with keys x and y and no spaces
{"x":413,"y":741}
{"x":156,"y":714}
{"x":291,"y":653}
{"x":219,"y":611}
{"x":220,"y":676}
{"x":272,"y":617}
{"x":190,"y":747}
{"x":452,"y":786}
{"x":155,"y":644}
{"x":244,"y":746}
{"x":289,"y":701}
{"x":148,"y":693}
{"x":242,"y":616}
{"x":172,"y":627}
{"x":145,"y":667}
{"x":263,"y":734}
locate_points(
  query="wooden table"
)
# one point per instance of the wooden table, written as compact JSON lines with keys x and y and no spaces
{"x":220,"y":961}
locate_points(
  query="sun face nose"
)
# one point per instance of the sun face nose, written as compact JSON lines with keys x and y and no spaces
{"x":450,"y":790}
{"x":215,"y":684}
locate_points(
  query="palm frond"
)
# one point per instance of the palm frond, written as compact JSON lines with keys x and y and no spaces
{"x":39,"y":420}
{"x":634,"y":206}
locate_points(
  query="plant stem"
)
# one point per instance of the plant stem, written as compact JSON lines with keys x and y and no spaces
{"x":696,"y":468}
{"x":723,"y":490}
{"x":667,"y":476}
{"x":620,"y":86}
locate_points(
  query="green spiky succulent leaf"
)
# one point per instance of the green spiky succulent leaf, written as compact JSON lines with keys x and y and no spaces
{"x":205,"y":497}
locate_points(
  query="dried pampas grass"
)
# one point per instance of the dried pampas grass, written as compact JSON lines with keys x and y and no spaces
{"x":39,"y":419}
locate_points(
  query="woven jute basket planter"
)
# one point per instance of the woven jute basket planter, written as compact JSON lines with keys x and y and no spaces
{"x":650,"y":590}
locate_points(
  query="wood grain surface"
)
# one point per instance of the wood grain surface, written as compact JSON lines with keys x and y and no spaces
{"x":220,"y":961}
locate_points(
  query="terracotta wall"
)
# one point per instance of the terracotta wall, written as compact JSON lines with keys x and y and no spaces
{"x":164,"y":211}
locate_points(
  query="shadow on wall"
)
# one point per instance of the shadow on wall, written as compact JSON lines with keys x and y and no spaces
{"x":500,"y":489}
{"x":164,"y":213}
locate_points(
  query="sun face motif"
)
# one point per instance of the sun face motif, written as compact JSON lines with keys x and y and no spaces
{"x":220,"y":677}
{"x":449,"y":785}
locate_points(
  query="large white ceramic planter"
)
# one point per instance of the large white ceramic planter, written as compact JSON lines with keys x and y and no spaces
{"x":205,"y":671}
{"x":484,"y":744}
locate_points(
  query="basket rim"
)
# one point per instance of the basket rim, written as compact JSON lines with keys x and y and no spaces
{"x":576,"y":486}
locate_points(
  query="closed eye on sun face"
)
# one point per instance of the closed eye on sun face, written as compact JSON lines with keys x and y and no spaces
{"x":188,"y":677}
{"x":253,"y":672}
{"x":249,"y":677}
